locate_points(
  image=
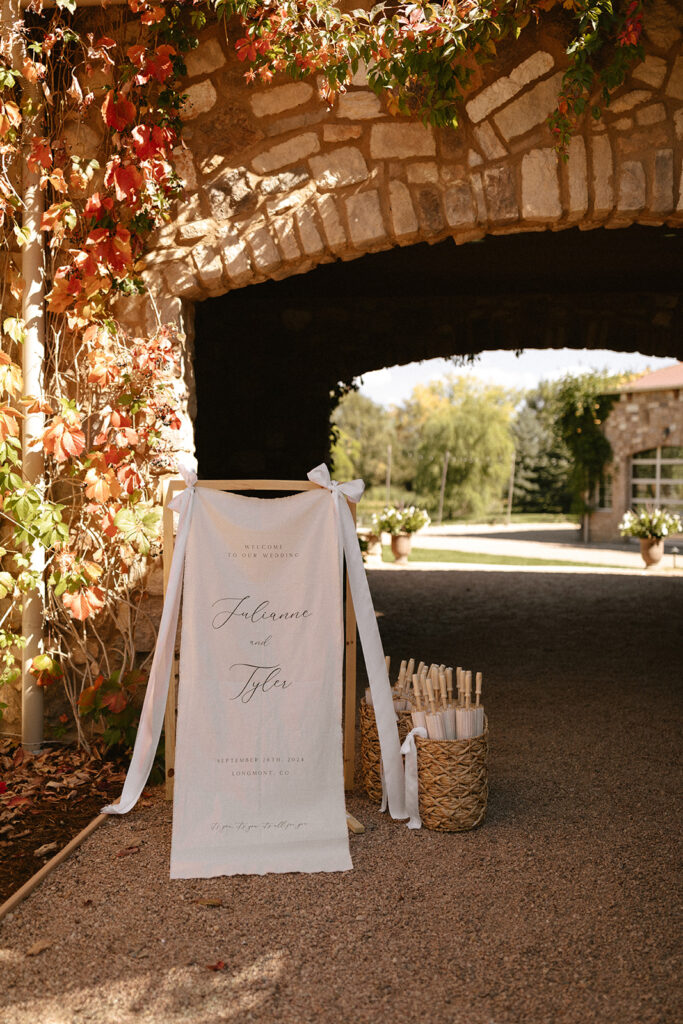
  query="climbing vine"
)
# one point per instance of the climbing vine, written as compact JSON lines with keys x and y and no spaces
{"x":108,"y":399}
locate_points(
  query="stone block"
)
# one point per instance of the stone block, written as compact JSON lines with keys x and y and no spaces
{"x":207,"y":260}
{"x":624,"y":124}
{"x":678,"y":123}
{"x":289,"y":152}
{"x":199,"y":99}
{"x":429,"y":211}
{"x":503,"y":89}
{"x":652,"y":71}
{"x":529,"y":110}
{"x":458,"y":205}
{"x":236,"y":261}
{"x":663,"y":182}
{"x":422,"y":173}
{"x":499,"y":189}
{"x":577,"y":178}
{"x":674,"y":87}
{"x":263,"y":250}
{"x":488,"y":142}
{"x":311,"y":241}
{"x":285,"y":181}
{"x":294,"y":122}
{"x":662,"y":24}
{"x":360,"y":76}
{"x":230,"y":193}
{"x":339,"y":168}
{"x":540,"y":186}
{"x":194,"y":231}
{"x":180,"y":280}
{"x":331,"y":222}
{"x":652,"y":114}
{"x":206,"y":58}
{"x":286,"y":238}
{"x":341,"y":132}
{"x":403,"y":219}
{"x":366,"y":223}
{"x":401,"y":140}
{"x":631,"y":195}
{"x":359,"y":106}
{"x":185,"y":168}
{"x":603,"y":192}
{"x":479,"y":197}
{"x":474,"y":159}
{"x":280,"y":97}
{"x":628,"y":101}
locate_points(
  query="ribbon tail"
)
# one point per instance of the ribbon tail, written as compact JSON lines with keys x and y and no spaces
{"x":152,"y":715}
{"x":374,"y":661}
{"x":409,"y":749}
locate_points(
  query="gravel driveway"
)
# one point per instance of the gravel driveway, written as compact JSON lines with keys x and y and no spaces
{"x":562,"y":908}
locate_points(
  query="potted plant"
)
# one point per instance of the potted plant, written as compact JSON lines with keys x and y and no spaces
{"x":401,"y":523}
{"x":651,"y":526}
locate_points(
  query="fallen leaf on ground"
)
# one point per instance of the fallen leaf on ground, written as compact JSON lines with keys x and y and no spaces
{"x":128,"y":850}
{"x":218,"y":966}
{"x":46,"y":848}
{"x":38,"y":947}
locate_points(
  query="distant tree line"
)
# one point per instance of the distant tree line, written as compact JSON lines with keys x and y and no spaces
{"x":554,"y":434}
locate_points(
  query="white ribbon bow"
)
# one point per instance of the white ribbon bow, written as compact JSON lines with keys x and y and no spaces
{"x":409,"y":749}
{"x":352,"y":489}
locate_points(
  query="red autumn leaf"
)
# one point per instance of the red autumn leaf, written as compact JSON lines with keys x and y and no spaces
{"x":40,"y":155}
{"x":127,"y":851}
{"x":98,"y":206}
{"x":218,"y":966}
{"x":86,"y":701}
{"x":45,"y":669}
{"x":106,"y":42}
{"x":63,"y":438}
{"x":84,"y":603}
{"x":154,"y":15}
{"x":126,"y":180}
{"x":160,"y":65}
{"x":115,"y":702}
{"x":3,"y":786}
{"x":129,"y":478}
{"x":19,"y":801}
{"x":117,"y":111}
{"x":101,"y":486}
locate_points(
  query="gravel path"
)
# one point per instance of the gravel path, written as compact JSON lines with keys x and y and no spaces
{"x":561,"y":908}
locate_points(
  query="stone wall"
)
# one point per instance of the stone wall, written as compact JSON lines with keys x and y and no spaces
{"x":278,"y":181}
{"x":640,"y":420}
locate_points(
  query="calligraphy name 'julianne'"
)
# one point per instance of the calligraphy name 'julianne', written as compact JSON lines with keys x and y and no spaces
{"x":244,"y":608}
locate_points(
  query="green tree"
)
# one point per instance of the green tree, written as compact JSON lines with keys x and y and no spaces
{"x":470,"y":421}
{"x":543,"y":465}
{"x":363,"y":431}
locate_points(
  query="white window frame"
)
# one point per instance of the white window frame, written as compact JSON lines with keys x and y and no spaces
{"x":676,"y":504}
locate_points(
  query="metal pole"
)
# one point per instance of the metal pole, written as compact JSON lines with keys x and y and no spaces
{"x":511,"y":487}
{"x":388,"y":474}
{"x":34,"y":423}
{"x":443,"y":485}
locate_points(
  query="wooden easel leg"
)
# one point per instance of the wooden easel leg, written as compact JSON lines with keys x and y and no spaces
{"x":350,"y":687}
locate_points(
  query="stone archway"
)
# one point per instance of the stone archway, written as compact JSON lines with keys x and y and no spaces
{"x":279,"y":183}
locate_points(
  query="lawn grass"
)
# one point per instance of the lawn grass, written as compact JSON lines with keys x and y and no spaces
{"x":440,"y":555}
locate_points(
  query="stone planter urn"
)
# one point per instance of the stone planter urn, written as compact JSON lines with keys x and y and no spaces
{"x":401,"y":544}
{"x":374,"y":548}
{"x":651,"y":550}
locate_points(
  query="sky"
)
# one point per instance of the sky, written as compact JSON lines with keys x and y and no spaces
{"x":394,"y":384}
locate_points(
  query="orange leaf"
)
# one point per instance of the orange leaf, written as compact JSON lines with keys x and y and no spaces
{"x":63,"y":439}
{"x":9,"y":427}
{"x":119,"y":112}
{"x":84,"y":603}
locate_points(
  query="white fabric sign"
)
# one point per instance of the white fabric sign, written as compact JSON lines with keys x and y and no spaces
{"x":259,"y":785}
{"x":259,"y":770}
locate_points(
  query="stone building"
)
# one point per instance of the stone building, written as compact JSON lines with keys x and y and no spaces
{"x":645,"y":430}
{"x":345,"y":217}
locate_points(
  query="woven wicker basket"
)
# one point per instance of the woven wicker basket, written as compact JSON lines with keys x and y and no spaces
{"x":453,"y":782}
{"x":369,"y":748}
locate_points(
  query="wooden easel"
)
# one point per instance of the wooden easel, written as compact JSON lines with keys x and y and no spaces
{"x":173,"y":487}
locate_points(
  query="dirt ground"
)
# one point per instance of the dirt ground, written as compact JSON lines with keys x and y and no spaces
{"x":562,"y":908}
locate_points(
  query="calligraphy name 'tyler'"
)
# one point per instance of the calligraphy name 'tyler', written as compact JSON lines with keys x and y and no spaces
{"x":238,"y":608}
